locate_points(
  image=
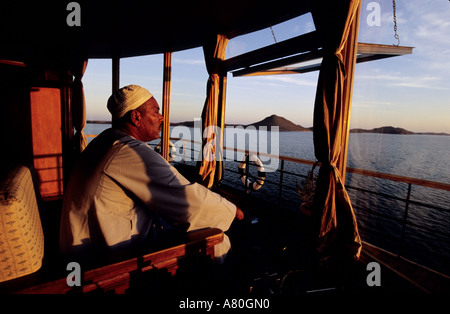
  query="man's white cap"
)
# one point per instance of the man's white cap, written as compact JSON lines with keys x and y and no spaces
{"x":127,"y":98}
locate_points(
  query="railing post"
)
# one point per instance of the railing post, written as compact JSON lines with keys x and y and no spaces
{"x":405,"y":216}
{"x":281,"y":181}
{"x":247,"y":172}
{"x":184,"y":152}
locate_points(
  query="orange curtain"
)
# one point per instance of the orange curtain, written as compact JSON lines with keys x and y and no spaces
{"x":78,"y":106}
{"x":335,"y":223}
{"x":47,"y":140}
{"x":213,"y":114}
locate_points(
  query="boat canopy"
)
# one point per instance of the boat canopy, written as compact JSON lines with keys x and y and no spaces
{"x":129,"y":28}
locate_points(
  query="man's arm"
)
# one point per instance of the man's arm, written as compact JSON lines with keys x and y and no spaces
{"x":147,"y":176}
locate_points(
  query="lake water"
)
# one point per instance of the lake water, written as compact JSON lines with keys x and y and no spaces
{"x":426,"y":238}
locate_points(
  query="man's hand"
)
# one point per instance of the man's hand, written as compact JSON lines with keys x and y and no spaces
{"x":239,"y":214}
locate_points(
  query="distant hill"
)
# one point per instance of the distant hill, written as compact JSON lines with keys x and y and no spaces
{"x":98,"y":122}
{"x":383,"y":130}
{"x":189,"y":124}
{"x":393,"y":130}
{"x":273,"y":120}
{"x":283,"y":124}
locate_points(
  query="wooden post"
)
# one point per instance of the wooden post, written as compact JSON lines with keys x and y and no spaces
{"x":166,"y":105}
{"x":115,"y":74}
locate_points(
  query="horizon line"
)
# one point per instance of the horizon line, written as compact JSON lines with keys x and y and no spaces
{"x":307,"y":129}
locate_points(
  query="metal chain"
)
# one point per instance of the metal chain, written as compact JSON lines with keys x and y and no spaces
{"x":395,"y":23}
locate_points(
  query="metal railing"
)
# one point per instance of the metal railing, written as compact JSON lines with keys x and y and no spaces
{"x":404,"y":221}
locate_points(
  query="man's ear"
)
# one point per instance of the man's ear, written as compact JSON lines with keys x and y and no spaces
{"x":135,"y":118}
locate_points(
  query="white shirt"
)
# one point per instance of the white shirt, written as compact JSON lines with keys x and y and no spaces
{"x":120,"y":187}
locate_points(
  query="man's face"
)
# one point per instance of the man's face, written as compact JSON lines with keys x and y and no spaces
{"x":151,"y":120}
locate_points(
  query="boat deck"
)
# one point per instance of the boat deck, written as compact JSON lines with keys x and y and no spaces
{"x":422,"y":278}
{"x":273,"y":253}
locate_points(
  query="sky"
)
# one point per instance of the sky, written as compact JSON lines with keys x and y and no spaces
{"x":410,"y":91}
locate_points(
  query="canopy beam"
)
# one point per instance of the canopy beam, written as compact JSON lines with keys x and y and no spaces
{"x":291,"y":65}
{"x":300,"y":44}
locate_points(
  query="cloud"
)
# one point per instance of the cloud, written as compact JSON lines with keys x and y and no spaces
{"x":189,"y":61}
{"x":361,"y":101}
{"x":421,"y":25}
{"x":427,"y":28}
{"x":419,"y":84}
{"x":395,"y":79}
{"x":290,"y":79}
{"x":433,"y":26}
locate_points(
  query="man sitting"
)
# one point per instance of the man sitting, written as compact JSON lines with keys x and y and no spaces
{"x":122,"y":193}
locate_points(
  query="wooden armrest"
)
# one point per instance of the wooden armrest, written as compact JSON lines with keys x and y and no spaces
{"x":116,"y":276}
